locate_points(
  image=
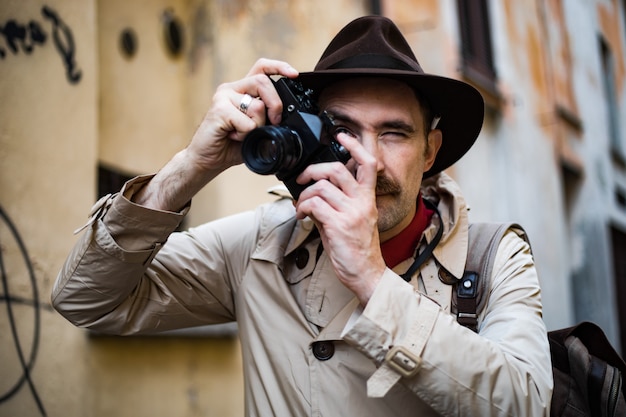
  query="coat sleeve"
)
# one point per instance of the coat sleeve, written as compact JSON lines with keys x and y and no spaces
{"x":122,"y":278}
{"x":503,"y":370}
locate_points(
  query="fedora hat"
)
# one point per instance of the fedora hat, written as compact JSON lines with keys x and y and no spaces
{"x":374,"y":46}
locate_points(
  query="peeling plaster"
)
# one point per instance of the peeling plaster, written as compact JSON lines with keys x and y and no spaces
{"x":527,"y":34}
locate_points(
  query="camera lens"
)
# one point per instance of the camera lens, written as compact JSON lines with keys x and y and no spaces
{"x":267,"y":151}
{"x":270,"y":149}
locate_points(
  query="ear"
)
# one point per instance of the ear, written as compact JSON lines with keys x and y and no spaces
{"x":433,"y":143}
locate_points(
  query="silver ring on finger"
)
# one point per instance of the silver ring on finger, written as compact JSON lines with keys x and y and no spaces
{"x":245,"y":102}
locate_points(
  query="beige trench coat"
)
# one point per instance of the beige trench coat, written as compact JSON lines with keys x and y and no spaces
{"x":308,"y":348}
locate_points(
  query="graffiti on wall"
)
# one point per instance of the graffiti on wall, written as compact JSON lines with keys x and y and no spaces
{"x":27,"y":37}
{"x":13,"y":383}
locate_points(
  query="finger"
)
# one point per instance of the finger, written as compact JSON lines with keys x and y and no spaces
{"x":264,"y":88}
{"x":272,"y":67}
{"x":250,"y":107}
{"x":359,"y":172}
{"x":325,"y":199}
{"x":335,"y":173}
{"x":226,"y":116}
{"x":240,"y":112}
{"x":261,"y":87}
{"x":315,"y":207}
{"x":366,"y":163}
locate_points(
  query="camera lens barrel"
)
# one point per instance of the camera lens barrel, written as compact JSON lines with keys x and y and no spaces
{"x":271,"y":149}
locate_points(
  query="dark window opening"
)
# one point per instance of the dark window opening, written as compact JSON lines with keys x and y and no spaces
{"x":618,"y":240}
{"x":110,"y":180}
{"x":375,"y":7}
{"x":620,"y":199}
{"x":476,"y":46}
{"x":608,"y":69}
{"x":571,"y":177}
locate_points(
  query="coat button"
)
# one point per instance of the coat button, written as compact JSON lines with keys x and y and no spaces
{"x":323,"y":351}
{"x":302,"y":258}
{"x":446,"y":277}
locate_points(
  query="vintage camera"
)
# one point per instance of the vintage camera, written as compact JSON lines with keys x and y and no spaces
{"x":301,"y":139}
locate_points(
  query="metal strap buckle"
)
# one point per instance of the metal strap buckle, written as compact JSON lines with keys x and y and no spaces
{"x":403,"y":361}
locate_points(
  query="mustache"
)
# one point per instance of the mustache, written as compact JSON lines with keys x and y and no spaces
{"x":386,"y":185}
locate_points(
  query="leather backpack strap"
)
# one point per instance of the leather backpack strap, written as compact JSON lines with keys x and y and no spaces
{"x":472,"y":291}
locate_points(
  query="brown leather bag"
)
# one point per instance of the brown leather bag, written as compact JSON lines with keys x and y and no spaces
{"x":587,"y":373}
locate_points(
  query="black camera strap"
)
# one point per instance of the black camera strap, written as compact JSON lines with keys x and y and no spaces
{"x":428,"y":250}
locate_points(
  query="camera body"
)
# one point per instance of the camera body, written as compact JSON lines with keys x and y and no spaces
{"x":301,"y":139}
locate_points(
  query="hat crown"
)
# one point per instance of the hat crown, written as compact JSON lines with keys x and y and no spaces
{"x":369,"y":42}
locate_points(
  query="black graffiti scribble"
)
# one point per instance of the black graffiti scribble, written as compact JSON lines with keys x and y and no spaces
{"x":64,"y":42}
{"x":27,"y":366}
{"x":22,"y":37}
{"x":25,"y":37}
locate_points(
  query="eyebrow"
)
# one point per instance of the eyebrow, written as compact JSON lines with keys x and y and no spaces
{"x":395,"y":124}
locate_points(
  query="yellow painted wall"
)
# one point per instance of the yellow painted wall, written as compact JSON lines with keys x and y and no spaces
{"x":48,"y":154}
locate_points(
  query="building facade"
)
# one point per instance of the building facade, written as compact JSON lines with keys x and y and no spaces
{"x":94,"y":92}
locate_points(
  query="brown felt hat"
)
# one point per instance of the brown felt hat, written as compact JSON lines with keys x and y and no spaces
{"x":374,"y":46}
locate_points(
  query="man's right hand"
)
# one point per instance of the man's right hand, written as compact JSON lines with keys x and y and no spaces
{"x":216,"y":145}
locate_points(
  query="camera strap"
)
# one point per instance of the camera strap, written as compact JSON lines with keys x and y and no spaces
{"x":428,"y":250}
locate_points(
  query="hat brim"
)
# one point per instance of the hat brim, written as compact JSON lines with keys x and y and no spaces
{"x":460,"y":106}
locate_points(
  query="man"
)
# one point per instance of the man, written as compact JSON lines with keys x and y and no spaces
{"x":327,"y":325}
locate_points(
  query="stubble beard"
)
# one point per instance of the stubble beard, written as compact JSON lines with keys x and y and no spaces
{"x":392,"y":202}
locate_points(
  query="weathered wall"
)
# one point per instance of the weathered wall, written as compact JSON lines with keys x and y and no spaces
{"x":71,"y":100}
{"x":48,"y":153}
{"x":596,"y":208}
{"x":513,"y":173}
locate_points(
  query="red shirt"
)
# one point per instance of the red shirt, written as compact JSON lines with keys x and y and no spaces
{"x":402,"y":246}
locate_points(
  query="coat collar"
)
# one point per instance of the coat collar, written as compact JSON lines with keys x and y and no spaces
{"x":451,"y":252}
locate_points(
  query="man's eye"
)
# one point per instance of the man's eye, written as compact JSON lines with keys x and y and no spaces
{"x":394,"y":135}
{"x":342,"y":130}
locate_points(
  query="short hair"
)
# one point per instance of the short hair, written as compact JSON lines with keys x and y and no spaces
{"x":427,"y":111}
